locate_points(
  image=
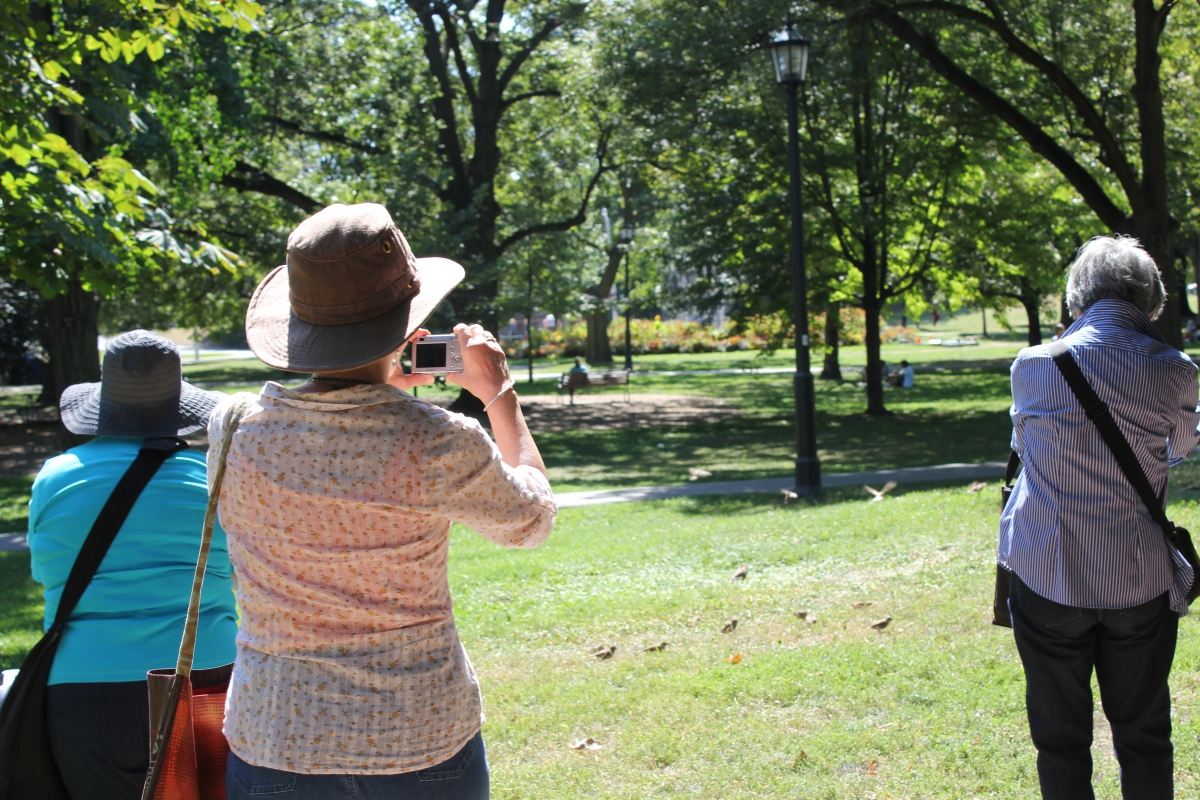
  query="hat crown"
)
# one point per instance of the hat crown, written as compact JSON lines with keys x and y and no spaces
{"x":349,"y":263}
{"x":141,"y":369}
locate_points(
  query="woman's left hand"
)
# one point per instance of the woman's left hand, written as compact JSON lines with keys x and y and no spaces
{"x":403,"y":381}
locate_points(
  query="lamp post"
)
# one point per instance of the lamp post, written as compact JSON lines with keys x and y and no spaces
{"x":789,"y":55}
{"x":626,"y":241}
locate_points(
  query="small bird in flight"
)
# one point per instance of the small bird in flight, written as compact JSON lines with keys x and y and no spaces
{"x":877,"y":494}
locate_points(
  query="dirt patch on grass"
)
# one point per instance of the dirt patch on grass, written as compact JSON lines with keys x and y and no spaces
{"x":606,"y":412}
{"x":25,"y":447}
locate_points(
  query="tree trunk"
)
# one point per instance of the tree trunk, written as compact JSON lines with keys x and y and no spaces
{"x":69,"y":330}
{"x":1195,"y":255}
{"x":832,"y":370}
{"x":1153,"y":223}
{"x":599,"y":348}
{"x":873,"y":265}
{"x":1185,"y":309}
{"x":1033,"y":311}
{"x":874,"y":376}
{"x":1158,"y":239}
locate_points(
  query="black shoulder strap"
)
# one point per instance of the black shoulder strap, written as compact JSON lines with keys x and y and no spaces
{"x":1097,"y":411}
{"x":112,"y":516}
{"x":1014,"y":463}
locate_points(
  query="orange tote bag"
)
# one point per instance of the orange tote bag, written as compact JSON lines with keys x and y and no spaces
{"x":188,"y":749}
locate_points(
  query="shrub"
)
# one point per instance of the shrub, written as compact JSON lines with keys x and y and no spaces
{"x":647,"y":336}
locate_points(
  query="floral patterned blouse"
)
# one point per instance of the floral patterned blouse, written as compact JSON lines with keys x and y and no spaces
{"x":337,"y":507}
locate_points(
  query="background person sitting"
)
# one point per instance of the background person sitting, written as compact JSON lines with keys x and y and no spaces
{"x":579,"y":369}
{"x":130,"y":617}
{"x":901,"y":378}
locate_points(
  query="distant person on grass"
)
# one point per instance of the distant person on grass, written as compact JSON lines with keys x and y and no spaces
{"x":579,"y":365}
{"x":903,"y":377}
{"x":1095,"y":585}
{"x":350,"y":678}
{"x":129,"y":618}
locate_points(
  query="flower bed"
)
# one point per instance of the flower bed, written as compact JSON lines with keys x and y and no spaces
{"x":647,"y":336}
{"x":657,"y":335}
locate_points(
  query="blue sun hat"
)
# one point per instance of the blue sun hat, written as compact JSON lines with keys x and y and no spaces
{"x":141,"y":393}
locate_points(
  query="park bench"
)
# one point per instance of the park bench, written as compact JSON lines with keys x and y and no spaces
{"x":571,"y":382}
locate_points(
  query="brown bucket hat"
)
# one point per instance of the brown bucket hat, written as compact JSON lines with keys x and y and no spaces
{"x":350,"y":293}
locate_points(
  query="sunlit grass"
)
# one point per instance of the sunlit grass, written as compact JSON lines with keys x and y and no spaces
{"x":929,"y":707}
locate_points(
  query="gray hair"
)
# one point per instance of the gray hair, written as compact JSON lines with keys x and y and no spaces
{"x":1114,"y":268}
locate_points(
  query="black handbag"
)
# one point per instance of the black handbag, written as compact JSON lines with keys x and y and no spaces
{"x":1097,"y":411}
{"x":27,"y":768}
{"x":1000,"y":614}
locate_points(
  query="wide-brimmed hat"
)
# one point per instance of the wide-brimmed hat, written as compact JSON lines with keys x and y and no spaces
{"x":350,"y":293}
{"x":141,"y":393}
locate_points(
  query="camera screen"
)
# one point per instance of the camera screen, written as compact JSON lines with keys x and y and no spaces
{"x":431,"y":356}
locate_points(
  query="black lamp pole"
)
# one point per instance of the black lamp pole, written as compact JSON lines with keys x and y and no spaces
{"x":789,"y":53}
{"x":627,"y":241}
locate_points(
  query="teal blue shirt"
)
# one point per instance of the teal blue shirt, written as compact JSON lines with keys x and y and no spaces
{"x":130,"y":619}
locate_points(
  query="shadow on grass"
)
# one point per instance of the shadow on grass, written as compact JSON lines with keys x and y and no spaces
{"x":237,"y":371}
{"x":755,"y":446}
{"x":20,"y":609}
{"x":14,"y":504}
{"x":735,"y":504}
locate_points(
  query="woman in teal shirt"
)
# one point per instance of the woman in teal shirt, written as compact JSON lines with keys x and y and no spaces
{"x":130,"y":618}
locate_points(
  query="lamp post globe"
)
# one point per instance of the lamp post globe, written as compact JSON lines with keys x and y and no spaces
{"x":789,"y":57}
{"x":627,"y":240}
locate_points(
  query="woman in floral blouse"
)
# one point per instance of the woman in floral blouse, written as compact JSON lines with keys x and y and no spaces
{"x":350,"y":679}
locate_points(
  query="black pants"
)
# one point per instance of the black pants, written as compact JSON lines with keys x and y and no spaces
{"x":100,"y":738}
{"x":1131,"y":650}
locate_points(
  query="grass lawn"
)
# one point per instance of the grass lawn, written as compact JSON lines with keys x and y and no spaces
{"x":931,"y":707}
{"x":14,"y":504}
{"x":967,"y":408}
{"x":947,"y":417}
{"x":17,"y":400}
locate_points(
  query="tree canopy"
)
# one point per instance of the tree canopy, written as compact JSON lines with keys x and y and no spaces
{"x":153,"y":158}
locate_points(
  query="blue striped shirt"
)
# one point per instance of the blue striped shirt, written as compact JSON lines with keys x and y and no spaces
{"x":1074,"y":529}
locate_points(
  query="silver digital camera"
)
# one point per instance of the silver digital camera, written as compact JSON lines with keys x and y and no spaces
{"x":437,"y":353}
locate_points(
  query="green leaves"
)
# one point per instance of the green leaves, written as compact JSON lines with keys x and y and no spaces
{"x":69,"y":103}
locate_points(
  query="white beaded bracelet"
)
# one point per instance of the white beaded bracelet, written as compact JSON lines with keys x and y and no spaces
{"x":507,"y":388}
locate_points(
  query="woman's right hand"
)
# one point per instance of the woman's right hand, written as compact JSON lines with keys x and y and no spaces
{"x":485,"y":369}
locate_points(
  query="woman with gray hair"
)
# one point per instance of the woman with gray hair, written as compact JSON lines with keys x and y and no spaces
{"x":1095,"y":584}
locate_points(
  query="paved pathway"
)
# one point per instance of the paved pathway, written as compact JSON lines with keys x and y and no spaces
{"x":942,"y":472}
{"x":13,"y":541}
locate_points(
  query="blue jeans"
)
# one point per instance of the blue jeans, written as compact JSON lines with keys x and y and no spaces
{"x":463,"y":776}
{"x":1131,"y":650}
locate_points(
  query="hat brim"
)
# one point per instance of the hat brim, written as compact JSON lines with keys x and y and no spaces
{"x":82,"y":412}
{"x":282,"y":340}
